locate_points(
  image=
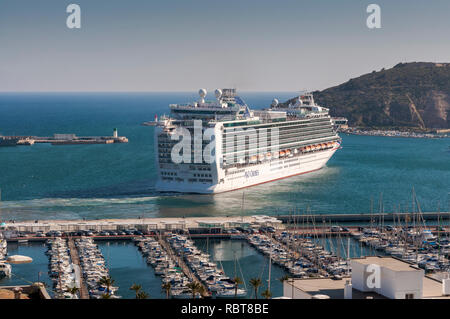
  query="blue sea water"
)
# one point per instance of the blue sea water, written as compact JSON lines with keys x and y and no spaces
{"x":26,"y":274}
{"x":127,"y":266}
{"x":99,"y":181}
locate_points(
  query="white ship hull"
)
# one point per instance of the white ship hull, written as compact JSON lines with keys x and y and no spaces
{"x":254,"y":175}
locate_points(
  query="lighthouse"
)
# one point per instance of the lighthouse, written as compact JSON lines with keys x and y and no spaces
{"x":115,"y":135}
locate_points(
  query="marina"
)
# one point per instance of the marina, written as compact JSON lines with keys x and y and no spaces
{"x":174,"y":276}
{"x":94,"y":270}
{"x":179,"y":261}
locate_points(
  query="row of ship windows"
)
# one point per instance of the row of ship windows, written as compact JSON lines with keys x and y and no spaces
{"x":168,"y":174}
{"x":202,"y":175}
{"x":232,"y":139}
{"x":190,"y":180}
{"x":191,"y":167}
{"x":235,"y":172}
{"x":232,"y":149}
{"x":301,"y":122}
{"x":283,"y":129}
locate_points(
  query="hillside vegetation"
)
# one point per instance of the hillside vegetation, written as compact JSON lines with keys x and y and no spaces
{"x":410,"y":95}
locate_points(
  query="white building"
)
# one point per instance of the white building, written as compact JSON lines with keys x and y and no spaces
{"x":372,"y":277}
{"x":388,"y":277}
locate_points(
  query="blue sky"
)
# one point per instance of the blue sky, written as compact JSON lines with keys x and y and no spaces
{"x":172,"y":45}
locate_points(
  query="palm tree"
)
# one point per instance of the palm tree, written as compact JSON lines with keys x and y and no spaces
{"x":266,"y":294}
{"x":73,"y":290}
{"x":137,"y":289}
{"x":237,"y":281}
{"x":142,"y":295}
{"x":194,"y":287}
{"x":108,"y":282}
{"x":201,"y":290}
{"x":167,"y":287}
{"x":255,"y":283}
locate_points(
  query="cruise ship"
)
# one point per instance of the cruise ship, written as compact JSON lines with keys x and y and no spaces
{"x":225,"y":146}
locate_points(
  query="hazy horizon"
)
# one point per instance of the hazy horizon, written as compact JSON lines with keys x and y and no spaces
{"x":180,"y":46}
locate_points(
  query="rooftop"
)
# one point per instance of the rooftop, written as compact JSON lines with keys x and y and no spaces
{"x":432,"y":288}
{"x":387,"y":262}
{"x":330,"y":287}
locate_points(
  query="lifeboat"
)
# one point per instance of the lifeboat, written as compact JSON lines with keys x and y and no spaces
{"x":288,"y":152}
{"x":329,"y":144}
{"x":269,"y":155}
{"x":308,"y":148}
{"x":296,"y":150}
{"x":282,"y":153}
{"x":324,"y":145}
{"x":253,"y":159}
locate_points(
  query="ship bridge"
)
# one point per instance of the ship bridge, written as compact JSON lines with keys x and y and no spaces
{"x":226,"y":107}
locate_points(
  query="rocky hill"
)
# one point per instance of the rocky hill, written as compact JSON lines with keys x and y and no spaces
{"x":410,"y":95}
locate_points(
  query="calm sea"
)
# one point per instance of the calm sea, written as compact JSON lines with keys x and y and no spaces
{"x":97,"y":181}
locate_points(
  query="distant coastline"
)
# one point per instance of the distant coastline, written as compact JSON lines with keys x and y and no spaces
{"x":394,"y":133}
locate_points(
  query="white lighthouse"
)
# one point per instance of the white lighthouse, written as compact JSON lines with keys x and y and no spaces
{"x":115,"y":135}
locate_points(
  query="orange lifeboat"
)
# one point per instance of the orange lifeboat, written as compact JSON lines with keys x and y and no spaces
{"x":288,"y":152}
{"x":308,"y":148}
{"x":282,"y":153}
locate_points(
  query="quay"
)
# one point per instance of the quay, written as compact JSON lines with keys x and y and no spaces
{"x":84,"y":294}
{"x":213,"y":227}
{"x":364,"y":217}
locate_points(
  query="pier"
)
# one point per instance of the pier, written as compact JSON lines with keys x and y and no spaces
{"x":84,"y":294}
{"x":62,"y":139}
{"x":185,"y":268}
{"x":363,"y":217}
{"x":215,"y":226}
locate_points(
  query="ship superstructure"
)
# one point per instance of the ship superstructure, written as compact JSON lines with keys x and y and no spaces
{"x":228,"y":146}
